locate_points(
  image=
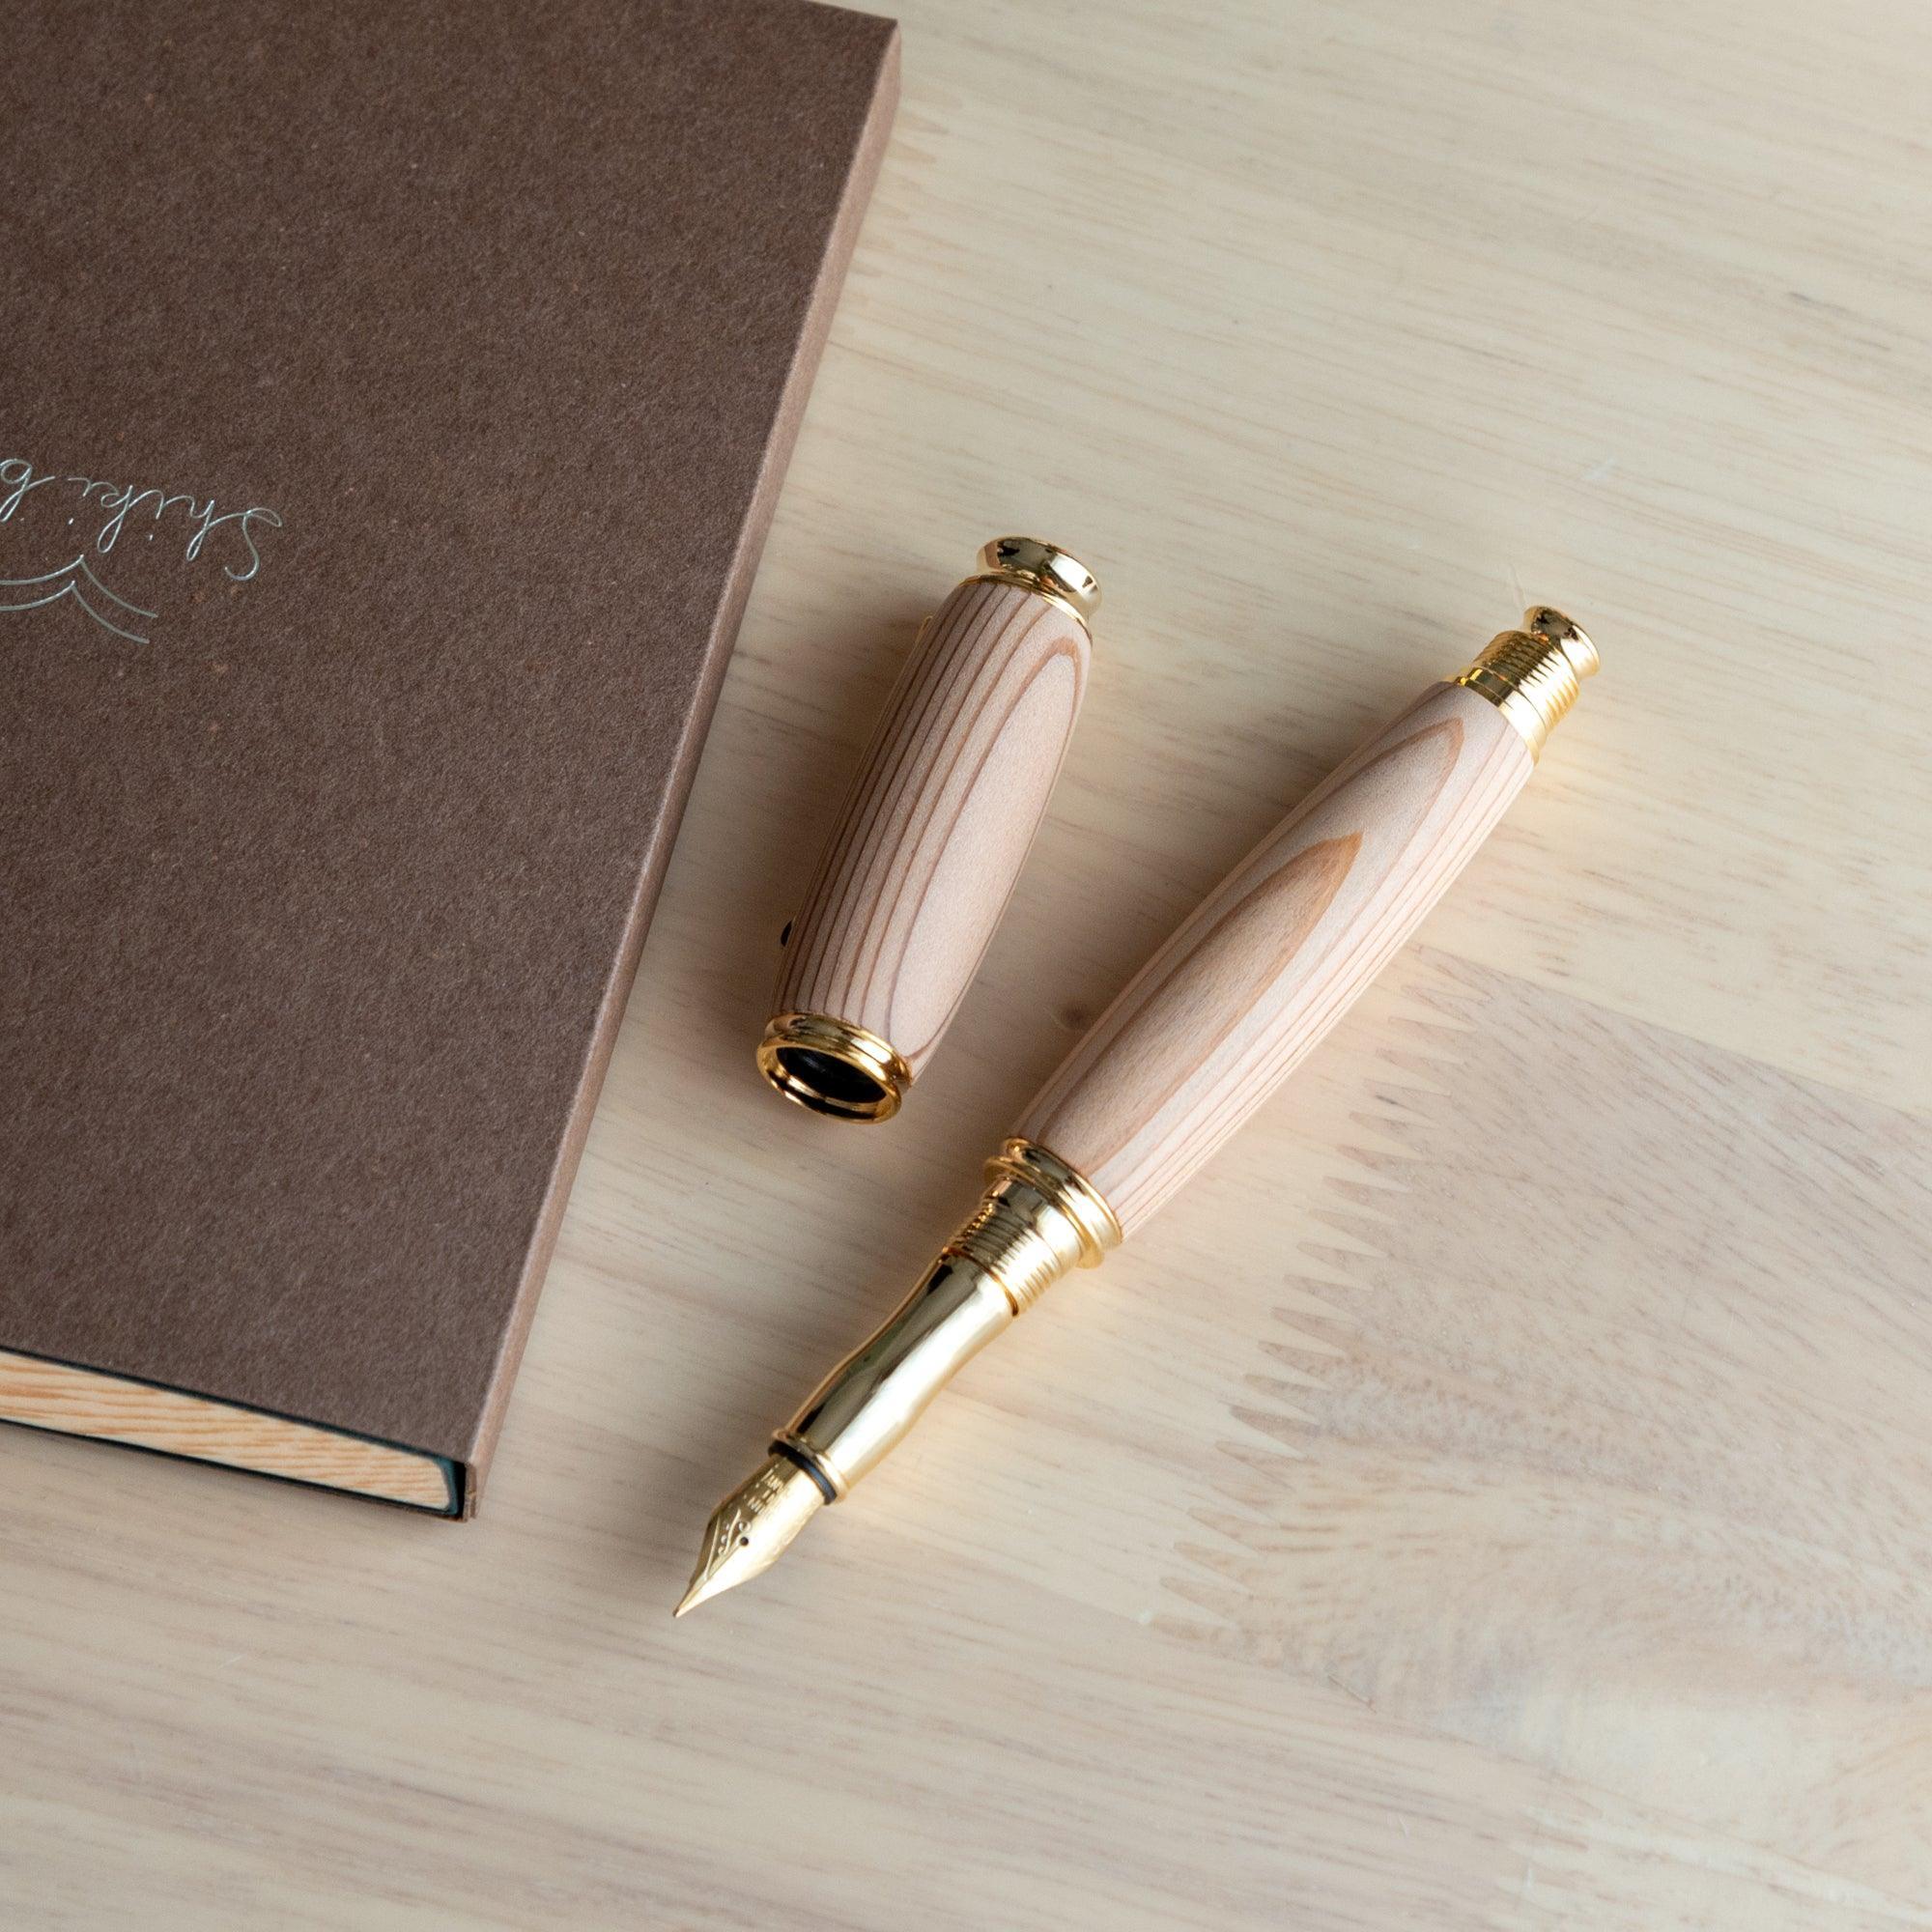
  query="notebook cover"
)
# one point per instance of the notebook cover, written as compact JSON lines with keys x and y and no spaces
{"x":392,"y":404}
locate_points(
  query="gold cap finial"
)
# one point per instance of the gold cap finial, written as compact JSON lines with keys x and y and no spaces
{"x":1044,"y":567}
{"x":1532,"y":675}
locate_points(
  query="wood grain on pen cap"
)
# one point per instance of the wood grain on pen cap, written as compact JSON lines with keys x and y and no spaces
{"x":939,"y":820}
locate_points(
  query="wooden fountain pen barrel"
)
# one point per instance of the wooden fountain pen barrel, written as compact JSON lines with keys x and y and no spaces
{"x":1273,"y":957}
{"x":932,"y":835}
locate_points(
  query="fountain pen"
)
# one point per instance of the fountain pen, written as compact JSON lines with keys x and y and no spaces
{"x":1202,"y":1035}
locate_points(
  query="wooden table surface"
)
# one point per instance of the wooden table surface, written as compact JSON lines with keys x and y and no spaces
{"x":1499,"y":1494}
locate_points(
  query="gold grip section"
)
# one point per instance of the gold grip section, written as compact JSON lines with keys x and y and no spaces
{"x":1037,"y":1220}
{"x":1533,"y":675}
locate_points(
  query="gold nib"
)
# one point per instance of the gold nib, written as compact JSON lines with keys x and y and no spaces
{"x":750,"y":1529}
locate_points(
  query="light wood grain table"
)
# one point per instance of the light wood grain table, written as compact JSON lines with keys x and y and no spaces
{"x":1499,"y":1493}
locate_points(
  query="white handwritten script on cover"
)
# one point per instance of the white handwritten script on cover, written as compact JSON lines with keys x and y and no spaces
{"x":78,"y":522}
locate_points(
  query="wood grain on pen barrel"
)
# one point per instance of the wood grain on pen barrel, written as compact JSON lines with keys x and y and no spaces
{"x":1277,"y":951}
{"x":939,"y":820}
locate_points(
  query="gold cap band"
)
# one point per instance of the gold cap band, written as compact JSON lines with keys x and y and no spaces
{"x":832,"y":1067}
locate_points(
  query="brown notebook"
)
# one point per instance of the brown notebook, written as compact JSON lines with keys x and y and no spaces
{"x":392,"y":402}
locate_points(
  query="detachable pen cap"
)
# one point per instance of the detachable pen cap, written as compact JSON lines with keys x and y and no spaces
{"x":932,"y":833}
